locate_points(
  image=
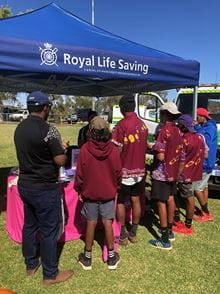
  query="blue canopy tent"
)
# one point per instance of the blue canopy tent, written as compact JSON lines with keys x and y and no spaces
{"x":53,"y":50}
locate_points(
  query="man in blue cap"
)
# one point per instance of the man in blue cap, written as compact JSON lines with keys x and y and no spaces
{"x":40,"y":154}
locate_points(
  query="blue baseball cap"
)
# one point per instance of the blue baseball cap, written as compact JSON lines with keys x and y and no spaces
{"x":38,"y":98}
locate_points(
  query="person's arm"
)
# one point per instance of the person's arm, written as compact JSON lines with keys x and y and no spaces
{"x":118,"y":136}
{"x":54,"y":142}
{"x":78,"y":180}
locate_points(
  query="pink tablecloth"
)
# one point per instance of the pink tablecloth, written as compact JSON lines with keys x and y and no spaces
{"x":74,"y":225}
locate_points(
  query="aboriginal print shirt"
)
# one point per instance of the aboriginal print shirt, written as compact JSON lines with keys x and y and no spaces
{"x":131,"y":135}
{"x":169,"y":142}
{"x":193,"y":154}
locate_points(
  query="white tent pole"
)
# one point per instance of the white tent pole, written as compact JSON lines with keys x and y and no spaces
{"x":195,"y":101}
{"x":93,"y":23}
{"x":93,"y":12}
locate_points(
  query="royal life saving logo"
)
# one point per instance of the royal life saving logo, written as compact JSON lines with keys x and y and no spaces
{"x":92,"y":63}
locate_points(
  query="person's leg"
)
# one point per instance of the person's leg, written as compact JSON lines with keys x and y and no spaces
{"x":170,"y":209}
{"x":90,"y":212}
{"x":29,"y":232}
{"x":109,"y":236}
{"x":190,"y":206}
{"x":162,"y":210}
{"x":136,"y":215}
{"x":90,"y":232}
{"x":49,"y":215}
{"x":123,"y":195}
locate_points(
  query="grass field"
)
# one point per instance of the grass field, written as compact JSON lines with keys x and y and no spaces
{"x":193,"y":266}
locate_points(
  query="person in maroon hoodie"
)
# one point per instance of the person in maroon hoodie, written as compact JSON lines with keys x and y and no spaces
{"x":97,"y":181}
{"x":130,"y":135}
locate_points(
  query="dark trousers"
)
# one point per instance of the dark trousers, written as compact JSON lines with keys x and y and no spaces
{"x":42,"y":222}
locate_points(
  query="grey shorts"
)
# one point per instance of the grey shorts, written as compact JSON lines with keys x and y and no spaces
{"x":93,"y":209}
{"x":185,"y":190}
{"x":203,"y":183}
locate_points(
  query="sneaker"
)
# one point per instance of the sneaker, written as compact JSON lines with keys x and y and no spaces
{"x":183,"y":230}
{"x":203,"y":217}
{"x":62,"y":276}
{"x":132,"y":239}
{"x":85,"y":262}
{"x":123,"y":242}
{"x":178,"y":224}
{"x":160,"y":244}
{"x":112,"y":262}
{"x":171,"y":236}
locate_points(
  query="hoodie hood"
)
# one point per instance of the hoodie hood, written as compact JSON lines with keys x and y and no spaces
{"x":100,"y":150}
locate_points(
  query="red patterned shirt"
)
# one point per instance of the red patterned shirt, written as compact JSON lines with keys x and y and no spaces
{"x":193,"y":152}
{"x":131,"y":135}
{"x":169,"y":142}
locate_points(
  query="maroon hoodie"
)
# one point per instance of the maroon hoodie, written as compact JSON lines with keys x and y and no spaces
{"x":98,"y":173}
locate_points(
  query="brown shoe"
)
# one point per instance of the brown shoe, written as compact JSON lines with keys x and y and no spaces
{"x":61,"y":277}
{"x":123,"y":242}
{"x":31,"y":272}
{"x":133,"y":239}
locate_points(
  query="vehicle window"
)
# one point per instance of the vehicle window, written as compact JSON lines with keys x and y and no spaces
{"x":210,"y":101}
{"x":148,"y":107}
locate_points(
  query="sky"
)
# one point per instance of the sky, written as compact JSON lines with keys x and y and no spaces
{"x":188,"y":28}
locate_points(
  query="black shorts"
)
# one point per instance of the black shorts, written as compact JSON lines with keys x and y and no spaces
{"x":162,"y":190}
{"x":185,"y":190}
{"x":126,"y":191}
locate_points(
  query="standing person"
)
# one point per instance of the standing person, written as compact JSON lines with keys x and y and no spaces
{"x":84,"y":131}
{"x":130,"y":135}
{"x":40,"y":154}
{"x":167,"y":149}
{"x":191,"y":170}
{"x":98,"y":178}
{"x":207,"y":127}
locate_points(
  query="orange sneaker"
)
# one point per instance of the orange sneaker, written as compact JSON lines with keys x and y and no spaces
{"x":183,"y":230}
{"x":204,"y":217}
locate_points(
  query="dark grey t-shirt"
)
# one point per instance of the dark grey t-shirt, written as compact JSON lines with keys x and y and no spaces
{"x":36,"y":144}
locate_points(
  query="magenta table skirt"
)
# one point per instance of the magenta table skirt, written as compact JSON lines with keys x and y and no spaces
{"x":74,"y":222}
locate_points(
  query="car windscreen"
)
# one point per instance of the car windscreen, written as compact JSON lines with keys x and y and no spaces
{"x":210,"y":101}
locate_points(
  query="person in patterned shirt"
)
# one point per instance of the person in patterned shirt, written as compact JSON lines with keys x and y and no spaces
{"x":167,"y":148}
{"x":40,"y":154}
{"x":194,"y":149}
{"x":130,"y":135}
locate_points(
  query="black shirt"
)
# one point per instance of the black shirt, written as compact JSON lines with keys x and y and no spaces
{"x":36,"y":144}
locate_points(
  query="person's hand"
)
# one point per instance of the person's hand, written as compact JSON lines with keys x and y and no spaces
{"x":65,"y":144}
{"x":80,"y":198}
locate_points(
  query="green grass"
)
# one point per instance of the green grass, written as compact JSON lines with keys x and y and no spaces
{"x":193,"y":266}
{"x":7,"y":149}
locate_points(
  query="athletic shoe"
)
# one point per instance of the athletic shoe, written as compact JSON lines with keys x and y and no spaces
{"x":123,"y":242}
{"x":85,"y":262}
{"x":183,"y":230}
{"x":204,"y":217}
{"x":160,"y":244}
{"x":178,"y":224}
{"x":112,"y":262}
{"x":132,"y":239}
{"x":171,"y":235}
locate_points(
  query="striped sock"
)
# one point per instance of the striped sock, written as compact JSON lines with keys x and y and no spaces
{"x":111,"y":253}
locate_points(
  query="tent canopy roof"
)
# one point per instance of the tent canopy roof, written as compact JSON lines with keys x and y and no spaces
{"x":53,"y":50}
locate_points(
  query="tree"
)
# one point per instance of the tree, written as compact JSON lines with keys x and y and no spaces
{"x":5,"y":11}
